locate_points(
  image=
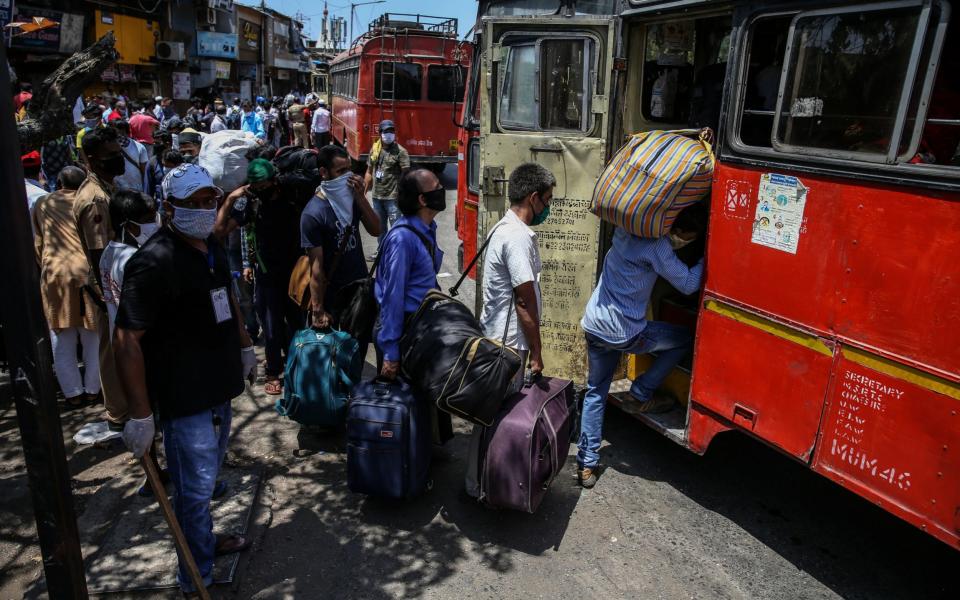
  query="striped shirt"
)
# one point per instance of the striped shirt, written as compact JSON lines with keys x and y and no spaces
{"x":617,"y":310}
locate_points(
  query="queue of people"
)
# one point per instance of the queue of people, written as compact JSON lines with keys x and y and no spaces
{"x":135,"y":252}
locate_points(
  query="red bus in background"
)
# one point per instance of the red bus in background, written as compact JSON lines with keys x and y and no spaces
{"x":410,"y":69}
{"x":468,"y":172}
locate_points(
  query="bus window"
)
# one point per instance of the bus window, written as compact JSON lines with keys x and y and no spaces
{"x":685,"y":64}
{"x":518,"y":103}
{"x":940,"y":141}
{"x":767,"y":40}
{"x":565,"y":84}
{"x":819,"y":107}
{"x":547,"y":85}
{"x":407,"y":81}
{"x":445,"y":83}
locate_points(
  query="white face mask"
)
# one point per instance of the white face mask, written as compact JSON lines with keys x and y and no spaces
{"x":196,"y":223}
{"x":388,"y":138}
{"x":147,"y":230}
{"x":338,"y":193}
{"x":677,"y":242}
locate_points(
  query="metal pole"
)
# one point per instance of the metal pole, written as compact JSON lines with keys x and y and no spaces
{"x":28,"y":348}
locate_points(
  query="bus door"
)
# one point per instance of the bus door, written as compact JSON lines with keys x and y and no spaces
{"x":544,"y":94}
{"x":676,"y":65}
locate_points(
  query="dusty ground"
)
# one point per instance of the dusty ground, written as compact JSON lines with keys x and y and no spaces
{"x":741,"y":522}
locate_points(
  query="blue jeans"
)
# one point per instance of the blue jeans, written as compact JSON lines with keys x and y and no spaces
{"x":389,"y":213}
{"x":195,"y":447}
{"x":671,"y":342}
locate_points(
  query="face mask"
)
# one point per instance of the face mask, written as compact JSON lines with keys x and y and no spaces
{"x":114,"y":167}
{"x":189,"y":158}
{"x":388,"y":138}
{"x":196,"y":223}
{"x":146,"y":231}
{"x":436,"y":199}
{"x":541,"y":216}
{"x":340,"y":196}
{"x":677,"y":242}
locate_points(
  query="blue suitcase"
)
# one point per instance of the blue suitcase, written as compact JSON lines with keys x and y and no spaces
{"x":388,"y":440}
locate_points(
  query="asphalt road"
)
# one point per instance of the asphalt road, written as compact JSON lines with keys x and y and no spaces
{"x":743,"y":521}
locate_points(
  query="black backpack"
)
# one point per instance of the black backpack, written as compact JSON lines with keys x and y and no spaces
{"x":299,"y":172}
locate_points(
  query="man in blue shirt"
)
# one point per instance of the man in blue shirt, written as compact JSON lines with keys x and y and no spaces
{"x":615,"y":322}
{"x":408,"y":264}
{"x":251,"y":121}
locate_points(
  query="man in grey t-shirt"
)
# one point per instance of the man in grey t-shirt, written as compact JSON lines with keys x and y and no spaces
{"x":511,"y":282}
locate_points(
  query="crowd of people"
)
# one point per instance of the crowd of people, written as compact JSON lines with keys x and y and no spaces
{"x":166,"y":281}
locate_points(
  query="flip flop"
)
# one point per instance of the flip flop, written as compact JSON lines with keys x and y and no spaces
{"x":230,"y":544}
{"x":273,"y":387}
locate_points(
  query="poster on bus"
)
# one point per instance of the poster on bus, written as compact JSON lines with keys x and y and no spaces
{"x":778,"y":218}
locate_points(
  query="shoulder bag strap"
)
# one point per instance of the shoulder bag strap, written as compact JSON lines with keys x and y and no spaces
{"x":454,"y":291}
{"x":426,"y":243}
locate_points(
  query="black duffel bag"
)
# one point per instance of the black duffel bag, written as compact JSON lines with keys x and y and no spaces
{"x":446,"y":356}
{"x":448,"y":359}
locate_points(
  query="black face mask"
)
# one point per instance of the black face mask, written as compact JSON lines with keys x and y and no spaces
{"x":114,"y":166}
{"x":436,"y":199}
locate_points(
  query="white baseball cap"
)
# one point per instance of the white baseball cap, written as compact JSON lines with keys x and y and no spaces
{"x":158,"y":98}
{"x":184,"y":180}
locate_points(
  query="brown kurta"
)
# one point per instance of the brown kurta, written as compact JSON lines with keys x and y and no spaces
{"x":63,"y":263}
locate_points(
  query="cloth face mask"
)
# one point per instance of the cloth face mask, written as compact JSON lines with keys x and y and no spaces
{"x":196,"y":223}
{"x":338,"y":193}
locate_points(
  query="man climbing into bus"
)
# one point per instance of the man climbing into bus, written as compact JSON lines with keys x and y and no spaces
{"x":388,"y":162}
{"x":615,"y":322}
{"x":511,"y":283}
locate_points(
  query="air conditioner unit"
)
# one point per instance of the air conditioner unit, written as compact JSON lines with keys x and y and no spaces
{"x":171,"y":51}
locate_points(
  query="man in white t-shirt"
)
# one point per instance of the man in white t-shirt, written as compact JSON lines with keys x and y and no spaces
{"x":511,"y":282}
{"x":135,"y":158}
{"x":320,"y":126}
{"x":134,"y":218}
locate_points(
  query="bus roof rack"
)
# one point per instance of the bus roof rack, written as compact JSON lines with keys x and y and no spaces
{"x":400,"y":22}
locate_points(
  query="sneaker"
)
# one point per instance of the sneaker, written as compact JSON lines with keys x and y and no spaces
{"x":587,"y":477}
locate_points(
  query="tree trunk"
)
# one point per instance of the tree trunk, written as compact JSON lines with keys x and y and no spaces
{"x":50,"y":111}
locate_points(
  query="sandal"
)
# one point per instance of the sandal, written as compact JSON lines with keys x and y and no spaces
{"x":78,"y":401}
{"x":230,"y":544}
{"x":273,"y":386}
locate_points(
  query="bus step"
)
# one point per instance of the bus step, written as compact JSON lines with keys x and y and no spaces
{"x":672,"y":424}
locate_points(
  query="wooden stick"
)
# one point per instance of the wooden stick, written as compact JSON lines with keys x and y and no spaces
{"x":178,"y":538}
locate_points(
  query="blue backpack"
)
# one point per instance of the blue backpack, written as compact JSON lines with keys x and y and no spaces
{"x":322,"y":368}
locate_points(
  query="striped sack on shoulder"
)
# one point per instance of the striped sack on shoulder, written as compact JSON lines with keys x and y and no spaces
{"x":651,"y":179}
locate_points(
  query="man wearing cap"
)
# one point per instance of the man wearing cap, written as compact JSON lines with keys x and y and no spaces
{"x":320,"y":125}
{"x":270,"y":219}
{"x":158,"y":108}
{"x":387,"y":163}
{"x":91,"y":120}
{"x":184,"y":352}
{"x":189,"y":141}
{"x":299,"y":126}
{"x":91,"y":210}
{"x":31,"y":178}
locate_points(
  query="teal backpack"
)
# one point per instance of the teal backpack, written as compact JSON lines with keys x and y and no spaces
{"x":322,"y":368}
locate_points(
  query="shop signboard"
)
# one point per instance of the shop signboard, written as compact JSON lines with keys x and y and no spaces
{"x":66,"y":38}
{"x":222,"y":69}
{"x":216,"y":45}
{"x":127,"y":73}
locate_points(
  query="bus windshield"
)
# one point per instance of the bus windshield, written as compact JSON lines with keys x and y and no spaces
{"x":512,"y":8}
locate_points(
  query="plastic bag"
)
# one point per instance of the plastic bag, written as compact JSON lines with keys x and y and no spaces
{"x":223,"y":154}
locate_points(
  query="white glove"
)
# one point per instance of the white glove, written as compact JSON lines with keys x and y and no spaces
{"x":138,"y":435}
{"x":248,"y":358}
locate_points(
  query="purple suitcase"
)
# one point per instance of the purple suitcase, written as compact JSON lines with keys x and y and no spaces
{"x":526,"y":447}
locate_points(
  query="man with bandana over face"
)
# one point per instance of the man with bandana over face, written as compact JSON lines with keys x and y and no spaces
{"x":184,"y":354}
{"x":270,"y":218}
{"x":91,"y":209}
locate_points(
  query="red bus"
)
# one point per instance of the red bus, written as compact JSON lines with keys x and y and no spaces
{"x":829,"y":321}
{"x":468,"y":171}
{"x":410,"y":69}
